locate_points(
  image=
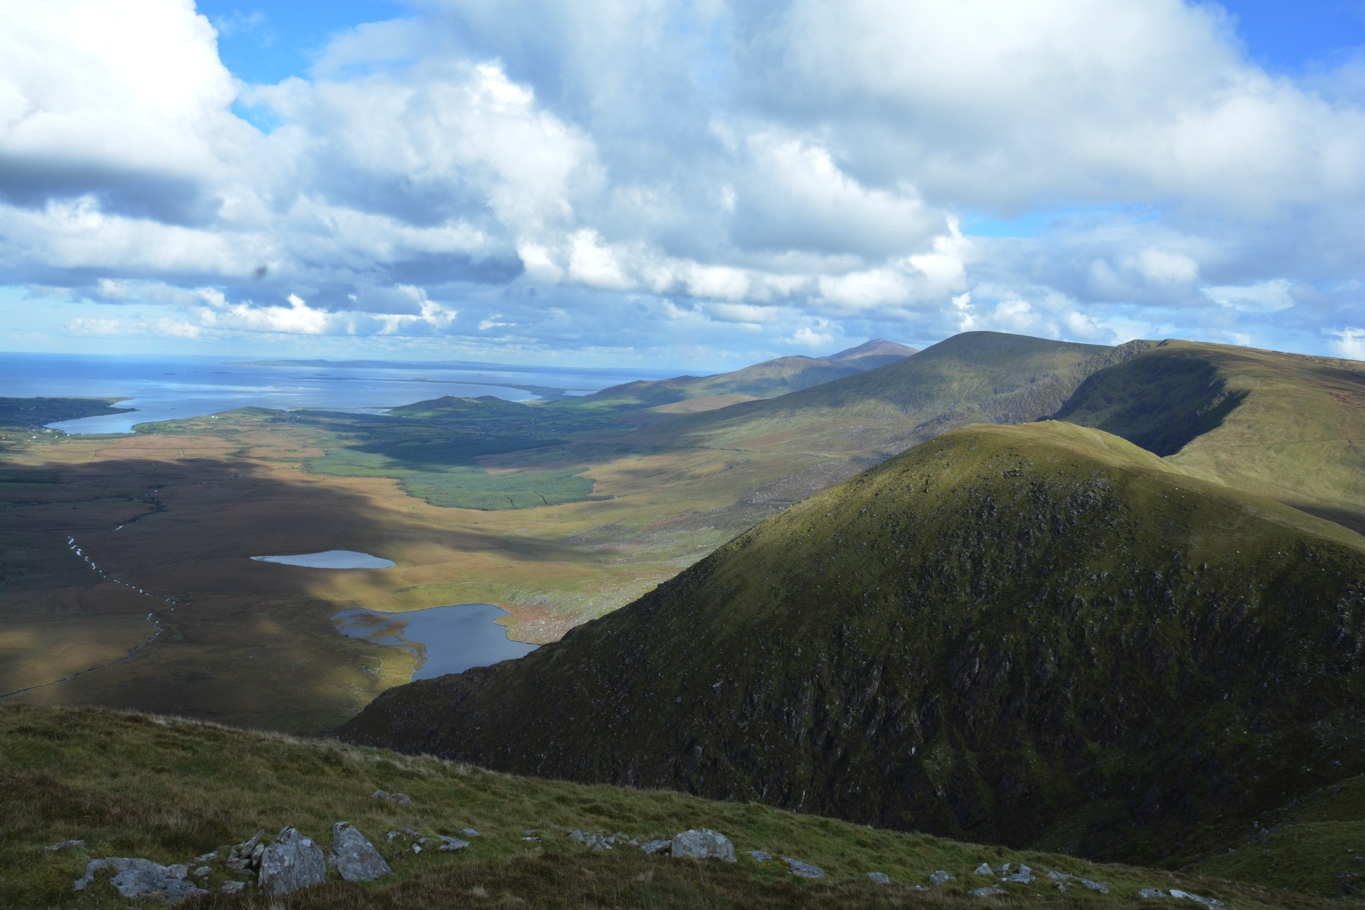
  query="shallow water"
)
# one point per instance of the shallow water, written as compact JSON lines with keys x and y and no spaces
{"x":168,"y":388}
{"x":445,"y":639}
{"x":331,"y":559}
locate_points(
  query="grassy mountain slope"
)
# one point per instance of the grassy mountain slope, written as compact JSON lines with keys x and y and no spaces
{"x":1028,"y":635}
{"x":168,"y":790}
{"x":762,"y":380}
{"x":972,"y":377}
{"x":1286,"y":426}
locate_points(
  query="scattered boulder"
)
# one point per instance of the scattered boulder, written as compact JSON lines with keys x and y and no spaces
{"x":1211,"y":903}
{"x":401,"y":799}
{"x":983,"y":869}
{"x":246,"y":856}
{"x":451,"y":844}
{"x":1059,"y":876}
{"x":596,"y":842}
{"x":144,"y":878}
{"x":66,"y":845}
{"x":291,"y":863}
{"x":880,"y":878}
{"x":656,"y":847}
{"x":1101,"y":887}
{"x":760,"y":856}
{"x":1151,"y":892}
{"x":703,"y":843}
{"x":232,"y":886}
{"x":989,"y":891}
{"x":356,"y":858}
{"x":207,"y":857}
{"x":805,"y":870}
{"x":1004,"y":869}
{"x":202,"y":871}
{"x":940,"y":877}
{"x":470,"y":832}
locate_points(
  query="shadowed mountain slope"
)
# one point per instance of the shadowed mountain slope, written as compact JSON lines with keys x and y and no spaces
{"x":1285,"y":426}
{"x":1029,"y":635}
{"x":762,"y":380}
{"x":985,"y":377}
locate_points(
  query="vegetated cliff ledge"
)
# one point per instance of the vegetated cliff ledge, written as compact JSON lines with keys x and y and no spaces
{"x":1030,"y":635}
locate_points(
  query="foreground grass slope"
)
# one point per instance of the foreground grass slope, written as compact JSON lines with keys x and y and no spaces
{"x":1028,"y":635}
{"x":1286,"y":426}
{"x":169,"y":790}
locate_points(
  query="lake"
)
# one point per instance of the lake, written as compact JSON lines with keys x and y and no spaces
{"x":171,"y":388}
{"x":331,"y":559}
{"x":447,"y":639}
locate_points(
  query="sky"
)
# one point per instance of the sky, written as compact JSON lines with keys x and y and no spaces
{"x":694,"y":184}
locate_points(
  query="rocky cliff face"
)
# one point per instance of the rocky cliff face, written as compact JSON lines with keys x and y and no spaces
{"x":1037,"y":634}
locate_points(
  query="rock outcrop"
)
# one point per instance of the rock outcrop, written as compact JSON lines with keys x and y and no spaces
{"x":291,"y":863}
{"x":356,"y":858}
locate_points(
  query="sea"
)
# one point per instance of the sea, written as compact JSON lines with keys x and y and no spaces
{"x":168,"y":388}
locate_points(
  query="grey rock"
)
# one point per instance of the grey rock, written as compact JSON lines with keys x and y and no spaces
{"x":880,"y":878}
{"x":231,"y":886}
{"x":451,"y":844}
{"x":202,"y":871}
{"x":207,"y":857}
{"x":703,"y":843}
{"x":291,"y":863}
{"x":66,"y":844}
{"x":989,"y":891}
{"x":416,"y":848}
{"x":1025,"y":870}
{"x":1020,"y":878}
{"x":91,"y":868}
{"x":1211,"y":903}
{"x":1059,"y":876}
{"x":1101,"y":887}
{"x":179,"y":870}
{"x":983,"y":869}
{"x":144,"y":878}
{"x":247,"y":854}
{"x":1004,"y":869}
{"x":940,"y":877}
{"x":470,"y":832}
{"x":760,"y":856}
{"x":356,"y":858}
{"x":401,"y":798}
{"x":380,"y":794}
{"x":805,"y":870}
{"x":1151,"y":892}
{"x":656,"y":847}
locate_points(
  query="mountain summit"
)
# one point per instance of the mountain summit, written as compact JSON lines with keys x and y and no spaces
{"x":1032,"y":634}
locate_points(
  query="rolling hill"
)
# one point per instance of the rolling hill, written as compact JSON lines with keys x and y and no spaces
{"x":761,"y":380}
{"x":986,"y":377}
{"x":1034,"y":634}
{"x":1286,"y":426}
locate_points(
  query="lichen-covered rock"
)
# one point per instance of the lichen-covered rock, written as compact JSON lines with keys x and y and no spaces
{"x":703,"y":843}
{"x":990,"y":891}
{"x":144,"y":878}
{"x":656,"y":847}
{"x":291,"y":863}
{"x":356,"y":858}
{"x":880,"y":878}
{"x":1101,"y":887}
{"x":983,"y":869}
{"x":760,"y":856}
{"x":940,"y":877}
{"x":451,"y":844}
{"x":232,"y":886}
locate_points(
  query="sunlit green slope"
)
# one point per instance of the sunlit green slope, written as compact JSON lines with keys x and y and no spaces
{"x":1286,"y":426}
